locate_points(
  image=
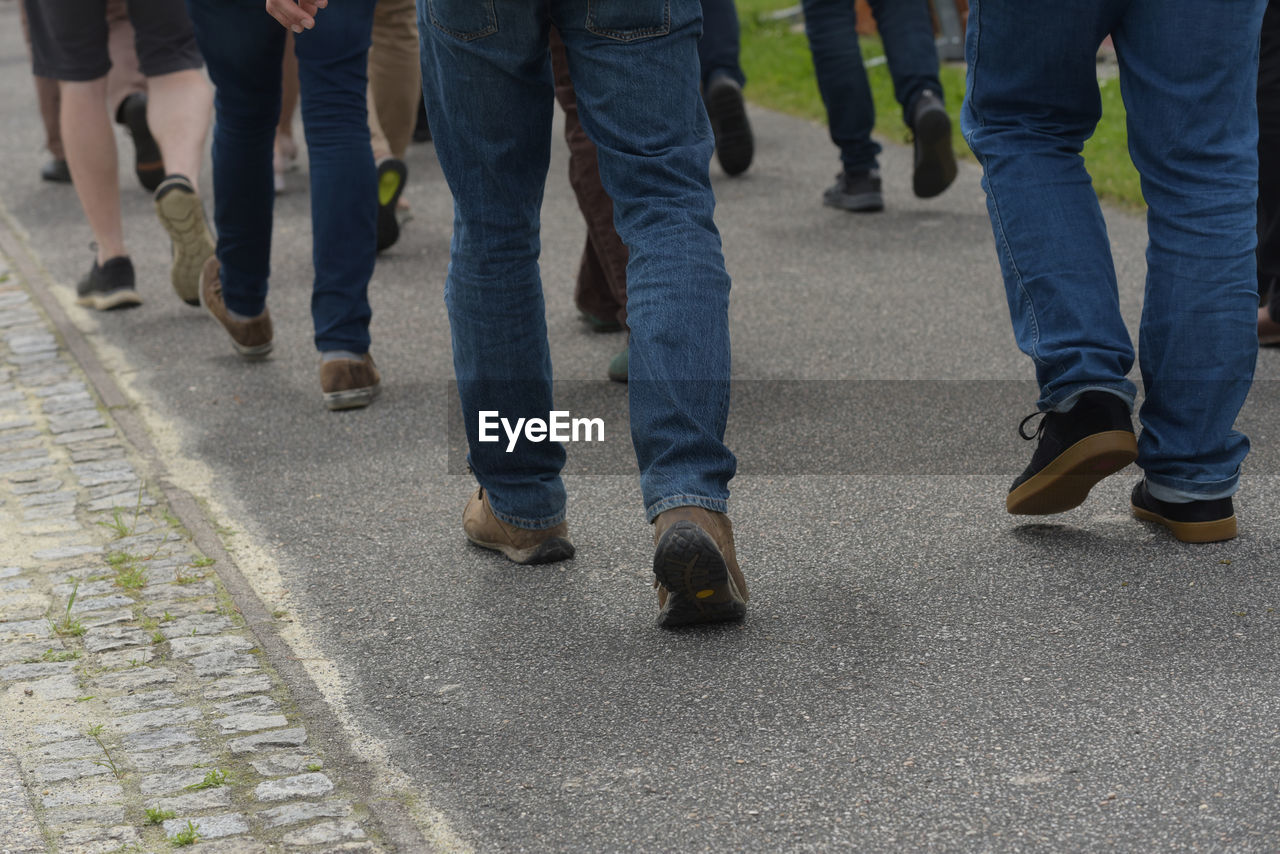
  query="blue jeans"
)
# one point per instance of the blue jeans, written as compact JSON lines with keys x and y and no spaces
{"x":488,"y":88}
{"x":719,"y":46}
{"x":907,"y":33}
{"x":243,"y":48}
{"x":1188,"y":72}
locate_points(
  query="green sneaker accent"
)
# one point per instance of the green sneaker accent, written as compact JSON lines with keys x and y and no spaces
{"x":618,"y":366}
{"x":388,"y":186}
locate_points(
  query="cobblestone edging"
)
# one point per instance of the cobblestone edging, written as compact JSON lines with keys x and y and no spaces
{"x":135,"y":707}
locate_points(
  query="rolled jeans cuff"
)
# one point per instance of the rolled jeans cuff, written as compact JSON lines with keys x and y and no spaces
{"x":718,"y":505}
{"x":1175,"y":490}
{"x":1063,"y":399}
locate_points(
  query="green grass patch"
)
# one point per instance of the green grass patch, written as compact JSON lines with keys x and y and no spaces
{"x":779,"y":68}
{"x":211,"y":780}
{"x":187,"y":836}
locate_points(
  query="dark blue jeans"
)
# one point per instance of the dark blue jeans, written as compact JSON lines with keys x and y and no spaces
{"x":1188,"y":74}
{"x":718,"y":48}
{"x":243,"y":48}
{"x":907,"y":33}
{"x":486,"y":76}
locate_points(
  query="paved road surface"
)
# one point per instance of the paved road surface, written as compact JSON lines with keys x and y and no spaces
{"x":919,"y":670}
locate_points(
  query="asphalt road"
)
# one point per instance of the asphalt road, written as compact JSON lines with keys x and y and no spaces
{"x":919,"y":671}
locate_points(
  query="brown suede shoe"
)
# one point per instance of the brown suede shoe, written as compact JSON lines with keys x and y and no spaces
{"x":522,"y":545}
{"x":348,"y":383}
{"x":695,"y":569}
{"x":251,"y":338}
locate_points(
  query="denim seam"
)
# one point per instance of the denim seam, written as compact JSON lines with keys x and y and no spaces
{"x":631,"y":35}
{"x":1182,"y":484}
{"x":997,"y":219}
{"x":470,"y":36}
{"x":529,"y":524}
{"x":718,"y":505}
{"x":1120,"y":388}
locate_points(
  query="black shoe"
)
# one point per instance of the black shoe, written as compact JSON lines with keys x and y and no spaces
{"x":1077,"y":449}
{"x":56,"y":171}
{"x":935,"y":162}
{"x":422,"y":130}
{"x":148,"y":164}
{"x":855,"y":191}
{"x":1192,"y":522}
{"x":735,"y":144}
{"x":109,"y":286}
{"x":392,"y":174}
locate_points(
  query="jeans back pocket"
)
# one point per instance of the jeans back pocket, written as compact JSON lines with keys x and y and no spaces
{"x":463,"y":19}
{"x":628,"y":20}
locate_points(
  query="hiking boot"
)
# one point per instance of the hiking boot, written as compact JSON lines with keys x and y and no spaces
{"x":392,"y":174}
{"x":1191,"y":522}
{"x":349,"y":383}
{"x":855,"y":191}
{"x":695,"y":569}
{"x":148,"y":165}
{"x":182,"y":215}
{"x":109,"y":286}
{"x":521,"y":545}
{"x":57,"y":171}
{"x":1077,"y":449}
{"x":935,"y":162}
{"x":735,"y":144}
{"x":252,"y":337}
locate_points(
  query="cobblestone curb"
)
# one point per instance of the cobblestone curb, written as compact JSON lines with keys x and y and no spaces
{"x":136,"y":711}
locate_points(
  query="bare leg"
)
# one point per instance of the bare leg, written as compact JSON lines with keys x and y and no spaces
{"x":179,"y":109}
{"x":90,"y":145}
{"x":288,"y":101}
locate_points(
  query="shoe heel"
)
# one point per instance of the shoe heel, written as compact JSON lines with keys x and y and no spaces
{"x":1065,"y":483}
{"x":689,"y":565}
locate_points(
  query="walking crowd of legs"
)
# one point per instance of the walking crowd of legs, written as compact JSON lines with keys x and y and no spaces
{"x":651,"y":93}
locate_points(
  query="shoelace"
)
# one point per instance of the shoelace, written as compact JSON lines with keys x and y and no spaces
{"x":1022,"y":431}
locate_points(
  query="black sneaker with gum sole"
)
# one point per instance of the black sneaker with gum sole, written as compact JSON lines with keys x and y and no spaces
{"x":1193,"y":522}
{"x":108,"y":286}
{"x":1077,"y":448}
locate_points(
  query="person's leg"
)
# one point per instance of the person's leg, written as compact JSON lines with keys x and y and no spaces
{"x":243,"y":48}
{"x":906,"y":31}
{"x":1188,"y":73}
{"x":69,"y":43}
{"x":286,"y":148}
{"x":127,"y":96}
{"x":394,"y":73}
{"x":125,"y":77}
{"x":1050,"y":236}
{"x":332,"y":74}
{"x":635,"y":78}
{"x":90,"y":144}
{"x":1269,"y":176}
{"x":179,"y":98}
{"x":722,"y":82}
{"x":601,"y":290}
{"x":719,"y":46}
{"x":493,"y":290}
{"x":654,"y":145}
{"x":831,"y":26}
{"x":47,"y":97}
